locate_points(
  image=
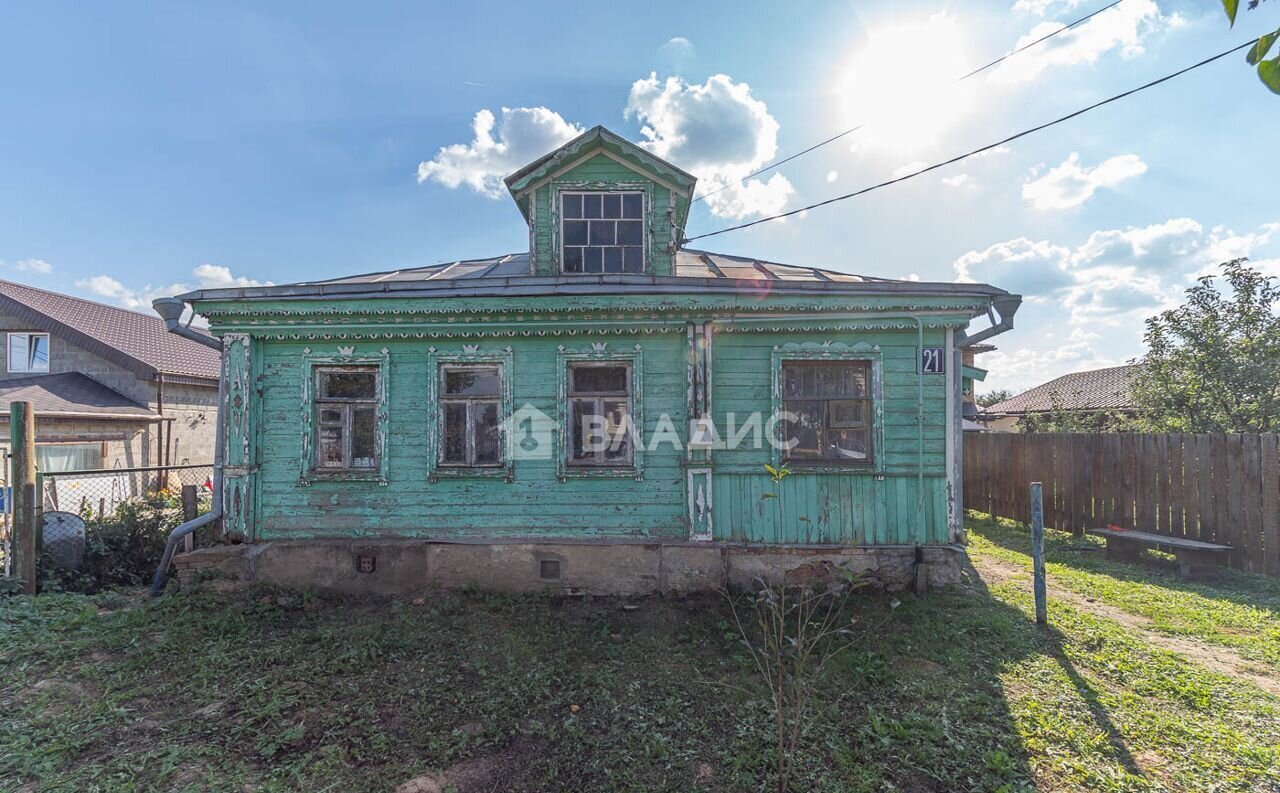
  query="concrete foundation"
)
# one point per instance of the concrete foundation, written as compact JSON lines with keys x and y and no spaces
{"x":395,"y":567}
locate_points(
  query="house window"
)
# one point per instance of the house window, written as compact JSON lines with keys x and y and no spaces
{"x":602,"y":232}
{"x":600,"y":415}
{"x":470,"y":415}
{"x":346,"y":408}
{"x":56,"y":458}
{"x":28,"y":352}
{"x":827,"y":411}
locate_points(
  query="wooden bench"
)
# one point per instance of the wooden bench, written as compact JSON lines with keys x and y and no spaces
{"x":1196,"y":559}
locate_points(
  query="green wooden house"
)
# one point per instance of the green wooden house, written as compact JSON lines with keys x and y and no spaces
{"x":596,"y":413}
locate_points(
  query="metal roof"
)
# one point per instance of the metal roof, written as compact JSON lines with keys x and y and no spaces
{"x":73,"y":395}
{"x":137,"y":342}
{"x":696,"y":272}
{"x":1095,"y":389}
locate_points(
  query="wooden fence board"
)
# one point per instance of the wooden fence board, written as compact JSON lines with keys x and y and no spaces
{"x":1212,"y":487}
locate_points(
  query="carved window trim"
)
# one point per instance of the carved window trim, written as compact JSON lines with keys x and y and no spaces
{"x":346,"y":357}
{"x":468,"y":355}
{"x":834,"y":352}
{"x":599,"y":352}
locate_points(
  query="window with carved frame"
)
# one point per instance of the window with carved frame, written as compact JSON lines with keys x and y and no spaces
{"x":827,"y":412}
{"x":600,"y":414}
{"x":346,"y":418}
{"x":470,"y":415}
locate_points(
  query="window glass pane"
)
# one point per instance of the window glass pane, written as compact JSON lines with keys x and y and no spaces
{"x":337,"y":384}
{"x":329,"y":453}
{"x":630,"y":232}
{"x":38,"y":359}
{"x":633,"y":260}
{"x":18,"y":352}
{"x":618,"y":429}
{"x":471,"y":381}
{"x":591,"y":205}
{"x":847,"y":445}
{"x":592,"y":260}
{"x":454,"y":444}
{"x":331,"y":416}
{"x":572,"y":205}
{"x":573,"y":260}
{"x":611,"y":206}
{"x":847,"y":412}
{"x":602,"y":232}
{"x":599,"y":380}
{"x":613,"y":260}
{"x":484,"y":416}
{"x":364,"y":441}
{"x":587,"y":430}
{"x":855,"y":381}
{"x":803,"y":427}
{"x":791,"y":381}
{"x":63,"y":457}
{"x":633,"y":205}
{"x":575,"y":232}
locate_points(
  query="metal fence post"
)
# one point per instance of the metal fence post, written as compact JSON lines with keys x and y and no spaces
{"x":22,"y":442}
{"x":1037,"y":551}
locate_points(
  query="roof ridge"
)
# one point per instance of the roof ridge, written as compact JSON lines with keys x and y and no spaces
{"x":77,"y":298}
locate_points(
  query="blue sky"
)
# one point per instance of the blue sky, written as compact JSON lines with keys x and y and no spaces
{"x":150,"y":148}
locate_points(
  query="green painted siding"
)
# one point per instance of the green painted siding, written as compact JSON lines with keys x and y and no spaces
{"x":535,"y":503}
{"x":872,"y":505}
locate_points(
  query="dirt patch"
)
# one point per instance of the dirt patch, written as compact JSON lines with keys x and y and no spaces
{"x":1213,"y":657}
{"x":501,"y":770}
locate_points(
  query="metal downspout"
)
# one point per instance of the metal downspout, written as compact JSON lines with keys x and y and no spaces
{"x":170,"y":310}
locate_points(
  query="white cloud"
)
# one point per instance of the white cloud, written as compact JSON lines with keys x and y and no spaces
{"x":1041,"y":7}
{"x":717,"y":131}
{"x":523,"y":134}
{"x":832,"y":176}
{"x":1031,"y":269}
{"x":906,"y":168}
{"x":1070,"y":185}
{"x":207,"y":276}
{"x":1123,"y":28}
{"x":677,"y":48}
{"x":1116,"y":277}
{"x":39,"y":266}
{"x":959,"y":180}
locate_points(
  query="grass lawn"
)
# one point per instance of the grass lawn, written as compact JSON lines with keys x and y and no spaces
{"x":954,"y":691}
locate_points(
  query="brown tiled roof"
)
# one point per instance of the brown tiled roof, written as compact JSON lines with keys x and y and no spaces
{"x":1101,"y":389}
{"x":138,"y":342}
{"x":72,"y":394}
{"x":1096,"y":389}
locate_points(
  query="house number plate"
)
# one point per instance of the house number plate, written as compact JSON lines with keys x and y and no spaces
{"x":932,"y":360}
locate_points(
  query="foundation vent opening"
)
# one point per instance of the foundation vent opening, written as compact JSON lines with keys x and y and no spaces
{"x":549,"y":569}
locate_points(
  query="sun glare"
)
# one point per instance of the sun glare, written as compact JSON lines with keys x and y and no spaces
{"x":901,"y":82}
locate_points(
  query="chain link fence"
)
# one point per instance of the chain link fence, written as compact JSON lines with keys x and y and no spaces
{"x":108,"y":527}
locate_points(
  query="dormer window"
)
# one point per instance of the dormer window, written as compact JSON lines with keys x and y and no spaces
{"x":602,"y":232}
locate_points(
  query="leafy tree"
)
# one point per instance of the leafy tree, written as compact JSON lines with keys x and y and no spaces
{"x":1213,"y":364}
{"x":1268,"y":70}
{"x":993,"y":397}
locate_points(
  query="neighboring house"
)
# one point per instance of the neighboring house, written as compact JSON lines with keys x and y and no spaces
{"x":110,"y":388}
{"x":473,"y":422}
{"x":1093,"y":391}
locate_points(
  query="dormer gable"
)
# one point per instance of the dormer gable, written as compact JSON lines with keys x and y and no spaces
{"x":602,"y":205}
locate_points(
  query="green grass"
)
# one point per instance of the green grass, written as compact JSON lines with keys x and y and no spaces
{"x":260,"y":690}
{"x":1240,"y":611}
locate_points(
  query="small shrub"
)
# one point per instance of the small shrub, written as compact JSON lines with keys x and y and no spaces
{"x":122,"y":549}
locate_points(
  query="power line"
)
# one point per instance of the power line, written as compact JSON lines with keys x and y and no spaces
{"x":988,"y":147}
{"x":854,"y":129}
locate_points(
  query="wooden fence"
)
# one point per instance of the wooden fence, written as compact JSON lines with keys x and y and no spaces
{"x":1222,"y":488}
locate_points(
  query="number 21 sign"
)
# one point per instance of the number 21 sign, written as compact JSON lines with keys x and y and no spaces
{"x":932,"y":360}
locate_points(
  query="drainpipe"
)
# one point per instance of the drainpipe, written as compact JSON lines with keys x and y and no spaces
{"x":170,"y":310}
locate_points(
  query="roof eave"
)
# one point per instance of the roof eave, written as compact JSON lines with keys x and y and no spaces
{"x":552,"y":286}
